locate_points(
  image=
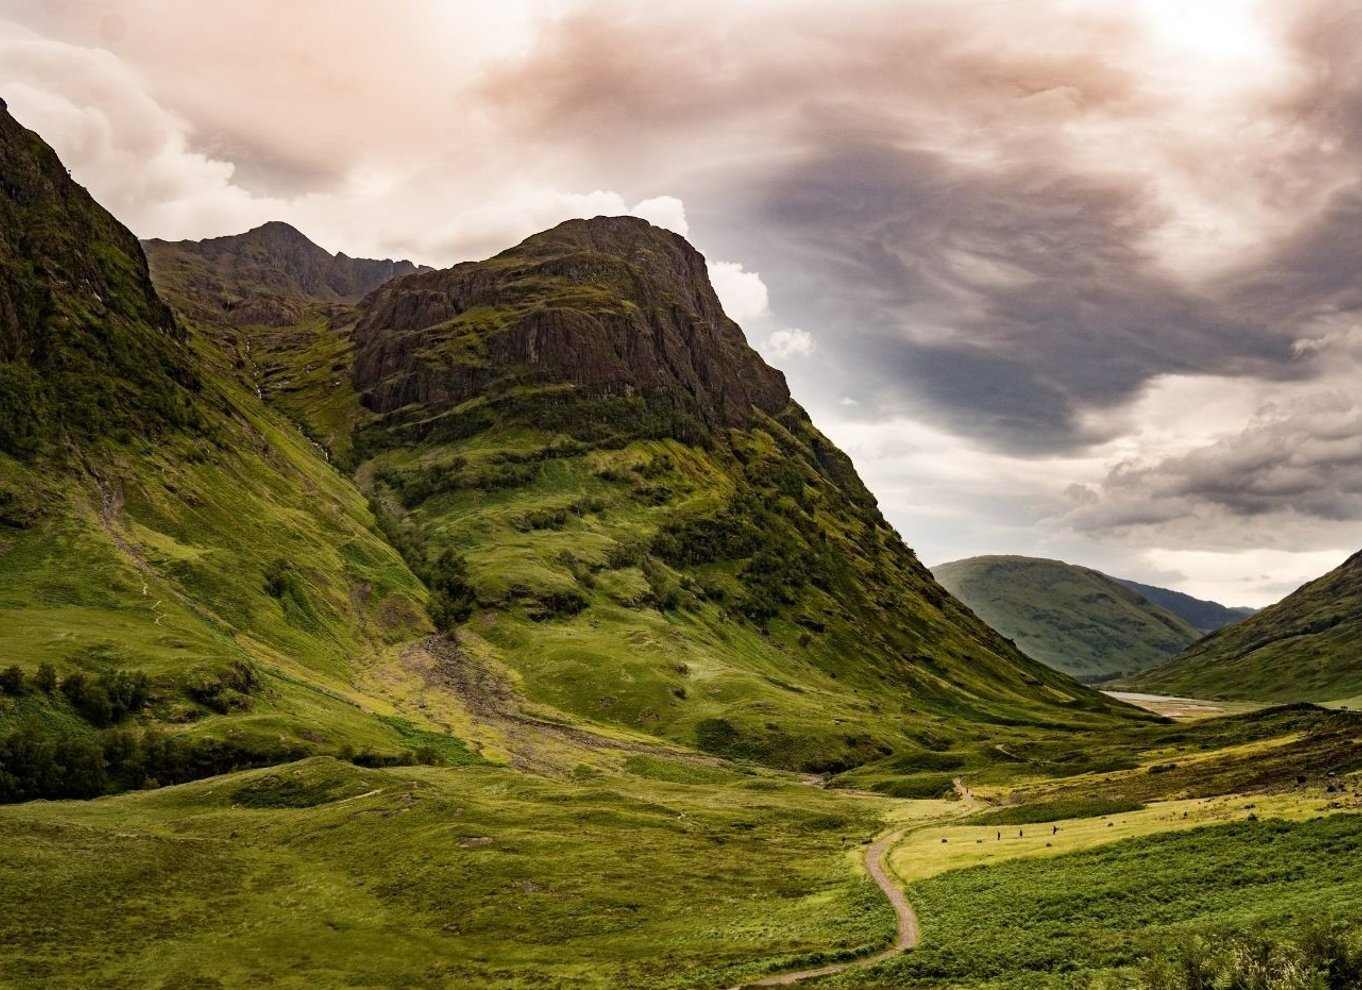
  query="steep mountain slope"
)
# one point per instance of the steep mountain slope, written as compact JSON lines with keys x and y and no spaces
{"x":1304,"y":648}
{"x":281,"y":307}
{"x":614,"y":496}
{"x":1201,"y":615}
{"x":157,"y":521}
{"x":1072,"y":618}
{"x":87,"y":349}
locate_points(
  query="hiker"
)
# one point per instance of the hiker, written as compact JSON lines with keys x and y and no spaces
{"x":1000,"y":836}
{"x":1020,"y":833}
{"x":1054,"y":830}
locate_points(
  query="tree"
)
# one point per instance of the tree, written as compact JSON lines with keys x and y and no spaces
{"x":12,"y":681}
{"x":451,"y":596}
{"x":45,"y":680}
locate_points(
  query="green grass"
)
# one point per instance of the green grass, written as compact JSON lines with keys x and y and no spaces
{"x":1072,"y":618}
{"x":300,"y":876}
{"x":1028,"y":922}
{"x":1053,"y":811}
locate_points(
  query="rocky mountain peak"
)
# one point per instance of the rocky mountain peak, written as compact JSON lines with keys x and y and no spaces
{"x":268,"y":275}
{"x":614,"y":306}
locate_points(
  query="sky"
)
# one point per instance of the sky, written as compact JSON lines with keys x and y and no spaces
{"x":1068,"y":278}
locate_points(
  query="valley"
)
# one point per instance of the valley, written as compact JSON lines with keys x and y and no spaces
{"x":511,"y":626}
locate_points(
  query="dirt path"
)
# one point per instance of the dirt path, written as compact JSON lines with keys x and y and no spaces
{"x":875,"y":858}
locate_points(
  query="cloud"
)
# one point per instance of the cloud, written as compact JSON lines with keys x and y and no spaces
{"x":664,"y":211}
{"x":790,"y":343}
{"x":742,"y":293}
{"x":1286,"y":480}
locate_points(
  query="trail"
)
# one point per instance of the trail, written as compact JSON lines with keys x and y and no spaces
{"x":903,"y":911}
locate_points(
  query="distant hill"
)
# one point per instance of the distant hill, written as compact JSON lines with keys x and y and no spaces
{"x":1304,"y":648}
{"x":1072,"y":618}
{"x":1202,"y":615}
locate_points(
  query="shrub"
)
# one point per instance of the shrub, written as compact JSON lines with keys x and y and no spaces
{"x":45,"y":679}
{"x":12,"y":681}
{"x":452,"y":598}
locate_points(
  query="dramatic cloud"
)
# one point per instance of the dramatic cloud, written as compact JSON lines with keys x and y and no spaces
{"x":1071,"y":245}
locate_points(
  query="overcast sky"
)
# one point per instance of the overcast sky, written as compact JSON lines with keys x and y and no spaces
{"x":1069,"y":278}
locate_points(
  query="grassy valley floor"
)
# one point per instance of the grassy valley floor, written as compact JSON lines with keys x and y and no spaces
{"x":657,"y":868}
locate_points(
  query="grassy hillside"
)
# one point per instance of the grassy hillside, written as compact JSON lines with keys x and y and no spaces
{"x":1037,"y":920}
{"x":1304,"y":648}
{"x":1072,"y":618}
{"x":487,"y":878}
{"x":639,"y":546}
{"x":176,"y":552}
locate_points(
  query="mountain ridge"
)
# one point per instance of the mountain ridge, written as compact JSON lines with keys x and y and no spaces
{"x":1074,"y":618}
{"x":1206,"y":616}
{"x":267,"y":275}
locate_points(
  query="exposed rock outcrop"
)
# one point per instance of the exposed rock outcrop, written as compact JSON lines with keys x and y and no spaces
{"x":612,"y":306}
{"x":266,"y":276}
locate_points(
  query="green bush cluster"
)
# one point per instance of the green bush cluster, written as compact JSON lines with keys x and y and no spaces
{"x":102,"y":701}
{"x":37,"y":761}
{"x":452,"y":598}
{"x":224,"y":690}
{"x":1326,"y":956}
{"x":558,"y":517}
{"x":108,"y":699}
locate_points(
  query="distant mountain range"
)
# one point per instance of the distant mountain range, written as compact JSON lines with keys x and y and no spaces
{"x":1202,"y":615}
{"x":1079,"y":620}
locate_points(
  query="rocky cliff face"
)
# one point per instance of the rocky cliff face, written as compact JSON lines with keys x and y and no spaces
{"x":87,"y":348}
{"x":613,"y":306}
{"x":267,"y":276}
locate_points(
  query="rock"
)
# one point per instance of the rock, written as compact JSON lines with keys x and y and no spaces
{"x":614,"y":306}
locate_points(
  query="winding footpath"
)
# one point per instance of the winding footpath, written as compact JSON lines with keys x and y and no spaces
{"x":875,"y":860}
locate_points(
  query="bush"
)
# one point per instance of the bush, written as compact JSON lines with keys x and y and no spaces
{"x":12,"y":681}
{"x":45,"y":679}
{"x":108,"y":700}
{"x":1327,"y":956}
{"x":452,"y":598}
{"x":40,"y":762}
{"x":224,"y":691}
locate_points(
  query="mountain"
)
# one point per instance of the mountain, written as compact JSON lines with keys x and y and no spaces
{"x":267,"y":275}
{"x":243,"y":520}
{"x":87,"y":348}
{"x":1304,"y":648}
{"x":1072,"y":618}
{"x":1202,"y":615}
{"x":172,"y":548}
{"x":281,"y":307}
{"x":643,"y":526}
